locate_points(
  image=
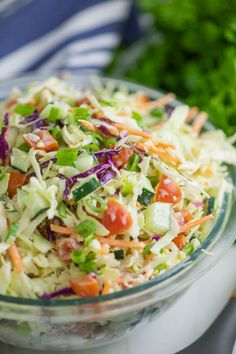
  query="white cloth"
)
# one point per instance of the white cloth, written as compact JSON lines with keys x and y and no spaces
{"x":186,"y":320}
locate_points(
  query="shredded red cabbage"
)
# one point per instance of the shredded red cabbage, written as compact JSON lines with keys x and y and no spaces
{"x":106,"y":175}
{"x":156,"y":237}
{"x":4,"y":147}
{"x":104,"y":130}
{"x":33,"y":117}
{"x":111,"y":162}
{"x":60,"y":292}
{"x":106,"y":153}
{"x":46,"y":163}
{"x":95,"y":169}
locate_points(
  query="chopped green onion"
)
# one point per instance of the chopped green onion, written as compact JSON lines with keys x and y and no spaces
{"x":153,"y":180}
{"x":162,"y":250}
{"x":81,"y":113}
{"x":87,"y":188}
{"x":91,"y":147}
{"x":55,"y":131}
{"x":1,"y":126}
{"x":147,"y":249}
{"x":107,"y":103}
{"x":188,"y":249}
{"x":53,"y":115}
{"x":86,"y":228}
{"x":132,"y":164}
{"x":137,"y":117}
{"x":157,"y":113}
{"x":127,"y":188}
{"x":62,"y":210}
{"x":12,"y":231}
{"x":24,"y":147}
{"x":110,"y":141}
{"x":210,"y":205}
{"x":160,"y":267}
{"x":66,"y":157}
{"x":95,"y":208}
{"x":88,"y":267}
{"x":119,"y":254}
{"x":78,"y":257}
{"x":146,"y":197}
{"x":24,"y":110}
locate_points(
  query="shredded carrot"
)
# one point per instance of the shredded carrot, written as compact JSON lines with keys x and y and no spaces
{"x":120,"y":243}
{"x":16,"y":258}
{"x":149,"y":258}
{"x":199,"y":122}
{"x":62,"y":229}
{"x":162,"y":101}
{"x":106,"y":287}
{"x":193,"y":223}
{"x":192,"y":112}
{"x":132,"y":131}
{"x":158,"y":125}
{"x":88,"y":125}
{"x":160,"y":152}
{"x":165,"y":146}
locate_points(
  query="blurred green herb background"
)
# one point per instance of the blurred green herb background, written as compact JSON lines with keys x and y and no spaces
{"x":196,"y":58}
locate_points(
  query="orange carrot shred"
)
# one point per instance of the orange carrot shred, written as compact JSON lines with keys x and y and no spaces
{"x":120,"y":243}
{"x":199,"y":122}
{"x":132,"y":131}
{"x":15,"y":258}
{"x":192,"y":112}
{"x":193,"y":223}
{"x":62,"y":229}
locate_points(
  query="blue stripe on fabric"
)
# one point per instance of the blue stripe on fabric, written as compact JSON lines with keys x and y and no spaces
{"x":114,"y":27}
{"x":37,"y":18}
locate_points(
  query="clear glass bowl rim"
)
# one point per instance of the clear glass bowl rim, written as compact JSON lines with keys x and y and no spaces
{"x":83,"y":80}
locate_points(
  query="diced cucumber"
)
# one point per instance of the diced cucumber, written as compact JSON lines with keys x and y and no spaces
{"x":20,"y":160}
{"x":4,"y":180}
{"x":210,"y":205}
{"x":86,"y":188}
{"x":146,"y":197}
{"x":36,"y":203}
{"x":158,"y":217}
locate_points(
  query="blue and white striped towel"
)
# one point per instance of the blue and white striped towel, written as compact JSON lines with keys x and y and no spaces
{"x":61,"y":35}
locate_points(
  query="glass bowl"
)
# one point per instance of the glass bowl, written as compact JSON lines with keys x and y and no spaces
{"x":74,"y":324}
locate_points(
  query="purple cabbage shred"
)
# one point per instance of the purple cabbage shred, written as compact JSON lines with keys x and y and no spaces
{"x":4,"y":147}
{"x":106,"y":153}
{"x":156,"y":237}
{"x":64,"y":291}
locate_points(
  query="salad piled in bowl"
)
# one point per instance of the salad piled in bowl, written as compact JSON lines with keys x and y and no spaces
{"x":102,"y":190}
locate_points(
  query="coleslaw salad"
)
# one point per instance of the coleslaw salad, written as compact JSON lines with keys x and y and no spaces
{"x":103,"y":190}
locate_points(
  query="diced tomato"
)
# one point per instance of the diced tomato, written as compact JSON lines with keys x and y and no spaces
{"x":168,"y":191}
{"x":185,"y":216}
{"x":180,"y":241}
{"x":88,"y":286}
{"x":46,"y":141}
{"x":16,"y":180}
{"x":116,"y":218}
{"x":122,"y":157}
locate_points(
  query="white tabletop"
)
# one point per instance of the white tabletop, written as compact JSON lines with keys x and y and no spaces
{"x":179,"y":326}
